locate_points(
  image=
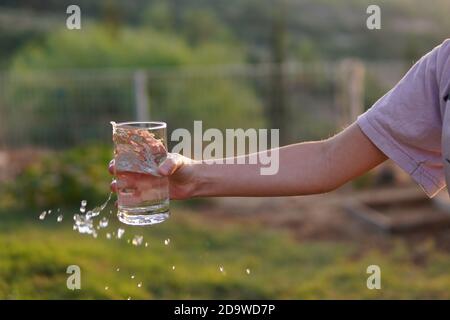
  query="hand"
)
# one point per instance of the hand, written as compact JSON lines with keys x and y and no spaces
{"x":179,"y":170}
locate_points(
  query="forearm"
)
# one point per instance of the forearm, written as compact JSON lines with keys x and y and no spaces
{"x":304,"y":168}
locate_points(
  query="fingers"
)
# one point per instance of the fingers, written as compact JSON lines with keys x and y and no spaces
{"x":111,"y":167}
{"x":113,"y":186}
{"x":170,"y":165}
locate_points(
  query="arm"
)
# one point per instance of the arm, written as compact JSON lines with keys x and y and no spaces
{"x":305,"y":168}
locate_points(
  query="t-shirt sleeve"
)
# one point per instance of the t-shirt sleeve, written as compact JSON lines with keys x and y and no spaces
{"x":406,"y":125}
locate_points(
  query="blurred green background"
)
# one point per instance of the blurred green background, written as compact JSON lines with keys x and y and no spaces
{"x":231,"y":64}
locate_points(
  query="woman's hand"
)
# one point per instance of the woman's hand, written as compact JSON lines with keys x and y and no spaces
{"x":179,"y":170}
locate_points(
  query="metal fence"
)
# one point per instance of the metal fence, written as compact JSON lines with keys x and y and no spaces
{"x":64,"y":108}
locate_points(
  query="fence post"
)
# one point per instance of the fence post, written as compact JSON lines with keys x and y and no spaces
{"x":140,"y":96}
{"x":350,"y":91}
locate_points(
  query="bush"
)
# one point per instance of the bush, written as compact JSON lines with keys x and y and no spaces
{"x":63,"y":179}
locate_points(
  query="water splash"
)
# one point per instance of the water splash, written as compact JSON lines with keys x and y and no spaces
{"x":96,"y":211}
{"x":83,"y":222}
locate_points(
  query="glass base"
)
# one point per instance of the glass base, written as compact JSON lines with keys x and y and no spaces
{"x":144,"y":216}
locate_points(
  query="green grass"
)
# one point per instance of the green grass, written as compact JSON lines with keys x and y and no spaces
{"x":34,"y":256}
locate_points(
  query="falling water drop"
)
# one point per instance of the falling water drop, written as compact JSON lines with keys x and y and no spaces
{"x":146,"y":244}
{"x":106,"y":288}
{"x":247,"y":271}
{"x":166,"y":242}
{"x":60,"y":218}
{"x":132,"y":276}
{"x":49,"y":211}
{"x":137,"y":240}
{"x":118,"y":269}
{"x":139,"y":284}
{"x":173,"y":267}
{"x":120,"y":233}
{"x":103,"y":223}
{"x":221,"y":269}
{"x":42,"y":215}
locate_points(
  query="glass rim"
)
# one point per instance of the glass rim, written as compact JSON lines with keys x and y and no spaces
{"x":152,"y":125}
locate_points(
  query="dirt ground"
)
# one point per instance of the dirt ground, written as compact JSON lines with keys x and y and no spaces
{"x":324,"y":218}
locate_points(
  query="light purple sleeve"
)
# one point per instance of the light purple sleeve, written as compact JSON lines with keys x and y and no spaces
{"x":406,"y":123}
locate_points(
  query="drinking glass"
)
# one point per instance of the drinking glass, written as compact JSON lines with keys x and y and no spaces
{"x":142,"y":194}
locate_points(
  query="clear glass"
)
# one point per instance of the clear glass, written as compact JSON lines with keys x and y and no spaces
{"x":142,"y":194}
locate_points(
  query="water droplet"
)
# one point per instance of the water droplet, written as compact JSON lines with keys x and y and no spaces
{"x":139,"y":284}
{"x":132,"y":277}
{"x":146,"y":244}
{"x":60,"y":218}
{"x":106,"y":288}
{"x":247,"y":271}
{"x":120,"y":233}
{"x":137,"y":240}
{"x":108,"y":236}
{"x":173,"y":267}
{"x":42,"y":215}
{"x":221,"y":269}
{"x":118,"y":269}
{"x":49,"y":211}
{"x":166,"y":242}
{"x":103,"y":223}
{"x":83,"y":203}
